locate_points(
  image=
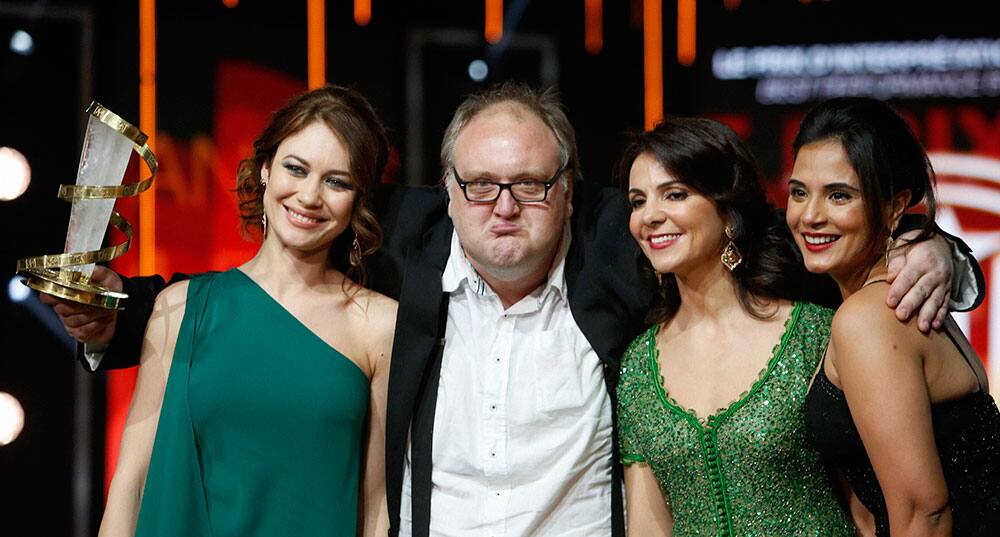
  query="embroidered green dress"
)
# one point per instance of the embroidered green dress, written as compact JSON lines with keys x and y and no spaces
{"x":260,"y":432}
{"x":746,"y":470}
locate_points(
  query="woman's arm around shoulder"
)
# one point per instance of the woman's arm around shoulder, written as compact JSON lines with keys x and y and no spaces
{"x":879,"y":363}
{"x":125,"y":493}
{"x":381,"y":321}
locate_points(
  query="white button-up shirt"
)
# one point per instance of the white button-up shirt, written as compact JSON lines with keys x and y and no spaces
{"x":522,"y":430}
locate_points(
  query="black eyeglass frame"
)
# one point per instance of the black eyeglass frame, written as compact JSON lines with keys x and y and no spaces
{"x":509,"y":186}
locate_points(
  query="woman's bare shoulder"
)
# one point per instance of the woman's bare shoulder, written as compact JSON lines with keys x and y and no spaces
{"x":864,"y":321}
{"x":375,"y":310}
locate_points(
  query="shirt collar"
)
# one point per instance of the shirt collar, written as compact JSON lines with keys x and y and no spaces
{"x":459,"y":271}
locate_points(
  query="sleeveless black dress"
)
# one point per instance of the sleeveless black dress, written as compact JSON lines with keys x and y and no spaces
{"x":967,"y":434}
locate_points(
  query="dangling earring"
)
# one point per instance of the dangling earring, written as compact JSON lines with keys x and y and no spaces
{"x":355,"y":256}
{"x":263,"y":215}
{"x":731,"y":257}
{"x":659,"y":279}
{"x":888,"y":246}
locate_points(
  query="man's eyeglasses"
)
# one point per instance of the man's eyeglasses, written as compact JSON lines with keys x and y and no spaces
{"x":523,"y":191}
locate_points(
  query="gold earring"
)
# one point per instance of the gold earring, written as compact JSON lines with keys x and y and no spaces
{"x":263,"y":222}
{"x":659,"y":278}
{"x":731,"y":257}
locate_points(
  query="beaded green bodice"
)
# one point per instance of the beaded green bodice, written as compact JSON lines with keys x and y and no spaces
{"x":746,"y":470}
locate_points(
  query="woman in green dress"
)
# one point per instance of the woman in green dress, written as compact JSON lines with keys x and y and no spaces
{"x":710,"y":401}
{"x":260,"y":400}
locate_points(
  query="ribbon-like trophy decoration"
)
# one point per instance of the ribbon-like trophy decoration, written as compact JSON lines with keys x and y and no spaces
{"x":52,"y":273}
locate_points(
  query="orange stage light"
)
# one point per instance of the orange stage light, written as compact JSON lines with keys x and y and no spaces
{"x":230,"y":3}
{"x":316,"y":42}
{"x":652,"y":53}
{"x":493,"y":29}
{"x":362,"y":12}
{"x":686,"y":18}
{"x":593,"y":39}
{"x":147,"y":123}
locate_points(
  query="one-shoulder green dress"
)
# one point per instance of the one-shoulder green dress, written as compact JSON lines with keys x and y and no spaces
{"x":260,"y":432}
{"x":747,"y":469}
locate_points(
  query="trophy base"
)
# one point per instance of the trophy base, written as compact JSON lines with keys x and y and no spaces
{"x":73,"y":286}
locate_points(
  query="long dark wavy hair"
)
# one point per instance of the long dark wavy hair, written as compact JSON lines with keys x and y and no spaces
{"x":710,"y":158}
{"x":353,"y":119}
{"x":885,"y":155}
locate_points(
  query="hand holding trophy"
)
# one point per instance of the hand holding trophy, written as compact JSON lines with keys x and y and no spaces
{"x":71,"y":276}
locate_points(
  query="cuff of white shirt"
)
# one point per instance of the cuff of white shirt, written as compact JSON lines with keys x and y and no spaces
{"x":94,"y":353}
{"x":964,"y":288}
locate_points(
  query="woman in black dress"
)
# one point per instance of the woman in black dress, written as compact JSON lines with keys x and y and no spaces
{"x":906,"y":417}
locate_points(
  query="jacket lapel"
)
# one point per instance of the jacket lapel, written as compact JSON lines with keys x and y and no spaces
{"x":418,"y":338}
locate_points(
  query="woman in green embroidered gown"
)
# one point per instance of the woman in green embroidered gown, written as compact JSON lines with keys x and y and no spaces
{"x":710,"y":401}
{"x":260,"y":400}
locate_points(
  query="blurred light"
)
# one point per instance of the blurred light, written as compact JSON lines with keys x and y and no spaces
{"x":652,"y":60}
{"x":22,"y":43}
{"x":686,"y":31}
{"x":147,"y":124}
{"x":478,"y":70}
{"x":493,"y":27}
{"x":17,"y":291}
{"x":15,"y":174}
{"x":230,"y":3}
{"x":593,"y":26}
{"x":362,"y":12}
{"x":731,"y":4}
{"x":11,"y":418}
{"x":315,"y":43}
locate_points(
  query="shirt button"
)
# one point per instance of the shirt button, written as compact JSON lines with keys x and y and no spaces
{"x":493,"y":454}
{"x":497,"y":359}
{"x":493,"y":407}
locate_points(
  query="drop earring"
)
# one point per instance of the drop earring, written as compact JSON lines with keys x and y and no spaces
{"x":731,"y":257}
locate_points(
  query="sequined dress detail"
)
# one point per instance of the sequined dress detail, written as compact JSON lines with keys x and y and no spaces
{"x":746,"y":470}
{"x":967,"y":436}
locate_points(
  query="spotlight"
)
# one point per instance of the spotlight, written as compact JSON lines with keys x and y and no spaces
{"x":22,"y":43}
{"x":17,"y":291}
{"x":478,"y":70}
{"x":15,"y":173}
{"x":11,"y":418}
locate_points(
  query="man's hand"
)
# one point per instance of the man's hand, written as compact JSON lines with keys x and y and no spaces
{"x":88,"y":324}
{"x":920,"y":275}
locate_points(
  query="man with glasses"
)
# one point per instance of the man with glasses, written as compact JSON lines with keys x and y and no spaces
{"x":500,"y":422}
{"x":518,"y":293}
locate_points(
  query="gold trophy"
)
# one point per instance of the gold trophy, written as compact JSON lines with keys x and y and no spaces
{"x":107,"y":147}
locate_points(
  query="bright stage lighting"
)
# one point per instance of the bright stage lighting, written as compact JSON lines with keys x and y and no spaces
{"x":15,"y":173}
{"x":17,"y":291}
{"x":478,"y":70}
{"x":22,"y":43}
{"x":11,"y":418}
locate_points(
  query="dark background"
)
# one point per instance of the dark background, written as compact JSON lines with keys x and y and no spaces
{"x":42,"y":103}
